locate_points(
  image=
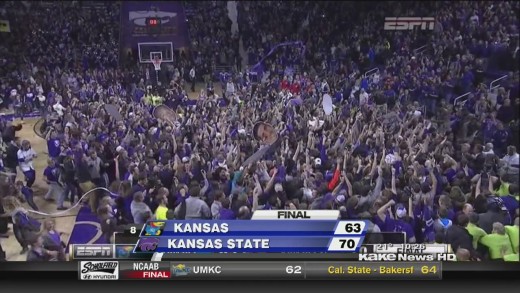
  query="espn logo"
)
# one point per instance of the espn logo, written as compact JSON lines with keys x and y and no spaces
{"x":409,"y":23}
{"x":99,"y":270}
{"x":92,"y":251}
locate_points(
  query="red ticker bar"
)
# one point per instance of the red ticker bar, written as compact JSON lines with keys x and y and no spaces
{"x":144,"y":270}
{"x":145,"y":275}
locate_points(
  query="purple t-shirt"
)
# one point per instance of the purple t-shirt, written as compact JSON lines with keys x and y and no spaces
{"x":227,"y":214}
{"x":50,"y":173}
{"x":393,"y":225}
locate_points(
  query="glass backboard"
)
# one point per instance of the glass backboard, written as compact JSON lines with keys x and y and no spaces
{"x":148,"y":51}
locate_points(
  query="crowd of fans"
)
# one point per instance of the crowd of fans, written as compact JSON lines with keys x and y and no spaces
{"x":45,"y":57}
{"x":400,"y":148}
{"x":213,"y":43}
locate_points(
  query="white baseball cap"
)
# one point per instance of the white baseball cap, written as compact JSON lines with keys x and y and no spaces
{"x":400,"y":211}
{"x":340,"y":198}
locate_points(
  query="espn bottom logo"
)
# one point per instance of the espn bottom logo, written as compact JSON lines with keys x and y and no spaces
{"x":99,"y":270}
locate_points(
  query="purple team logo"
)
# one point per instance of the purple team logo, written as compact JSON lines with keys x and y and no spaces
{"x":147,"y":245}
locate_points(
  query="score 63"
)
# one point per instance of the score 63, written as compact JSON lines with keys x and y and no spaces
{"x":350,"y":228}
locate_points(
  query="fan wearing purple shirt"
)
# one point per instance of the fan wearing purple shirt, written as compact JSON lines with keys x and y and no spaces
{"x":27,"y":194}
{"x":53,"y":144}
{"x":51,"y":174}
{"x":399,"y":224}
{"x":220,"y":208}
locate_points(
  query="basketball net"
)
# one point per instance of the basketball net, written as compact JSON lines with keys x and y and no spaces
{"x":157,"y":64}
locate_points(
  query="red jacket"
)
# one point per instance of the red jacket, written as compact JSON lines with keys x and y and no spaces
{"x":285,"y":85}
{"x":335,"y":179}
{"x":295,"y":88}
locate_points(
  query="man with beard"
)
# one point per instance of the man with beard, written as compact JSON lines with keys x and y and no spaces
{"x":223,"y":178}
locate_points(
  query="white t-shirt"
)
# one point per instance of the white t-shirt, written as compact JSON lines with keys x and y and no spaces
{"x":25,"y":159}
{"x":363,"y":98}
{"x":230,"y":88}
{"x":511,"y":162}
{"x":58,"y":108}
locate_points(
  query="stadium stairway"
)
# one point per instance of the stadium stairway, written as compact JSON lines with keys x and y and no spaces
{"x":491,"y":73}
{"x":189,"y":9}
{"x":243,"y":53}
{"x":87,"y":5}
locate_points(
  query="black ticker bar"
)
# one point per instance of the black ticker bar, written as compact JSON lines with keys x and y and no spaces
{"x":300,"y":270}
{"x":260,"y":270}
{"x":312,"y":270}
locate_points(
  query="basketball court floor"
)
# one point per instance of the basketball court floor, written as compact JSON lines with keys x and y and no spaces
{"x":65,"y":222}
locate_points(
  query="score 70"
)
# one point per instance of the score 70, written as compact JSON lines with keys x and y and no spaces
{"x":350,"y":228}
{"x":344,"y":244}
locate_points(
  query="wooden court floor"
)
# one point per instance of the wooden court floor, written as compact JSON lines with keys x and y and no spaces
{"x":64,"y":222}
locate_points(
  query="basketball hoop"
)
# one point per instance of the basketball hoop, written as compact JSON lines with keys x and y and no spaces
{"x":157,"y":64}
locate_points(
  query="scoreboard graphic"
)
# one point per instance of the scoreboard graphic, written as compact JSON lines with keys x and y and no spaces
{"x":240,"y":236}
{"x":164,"y":250}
